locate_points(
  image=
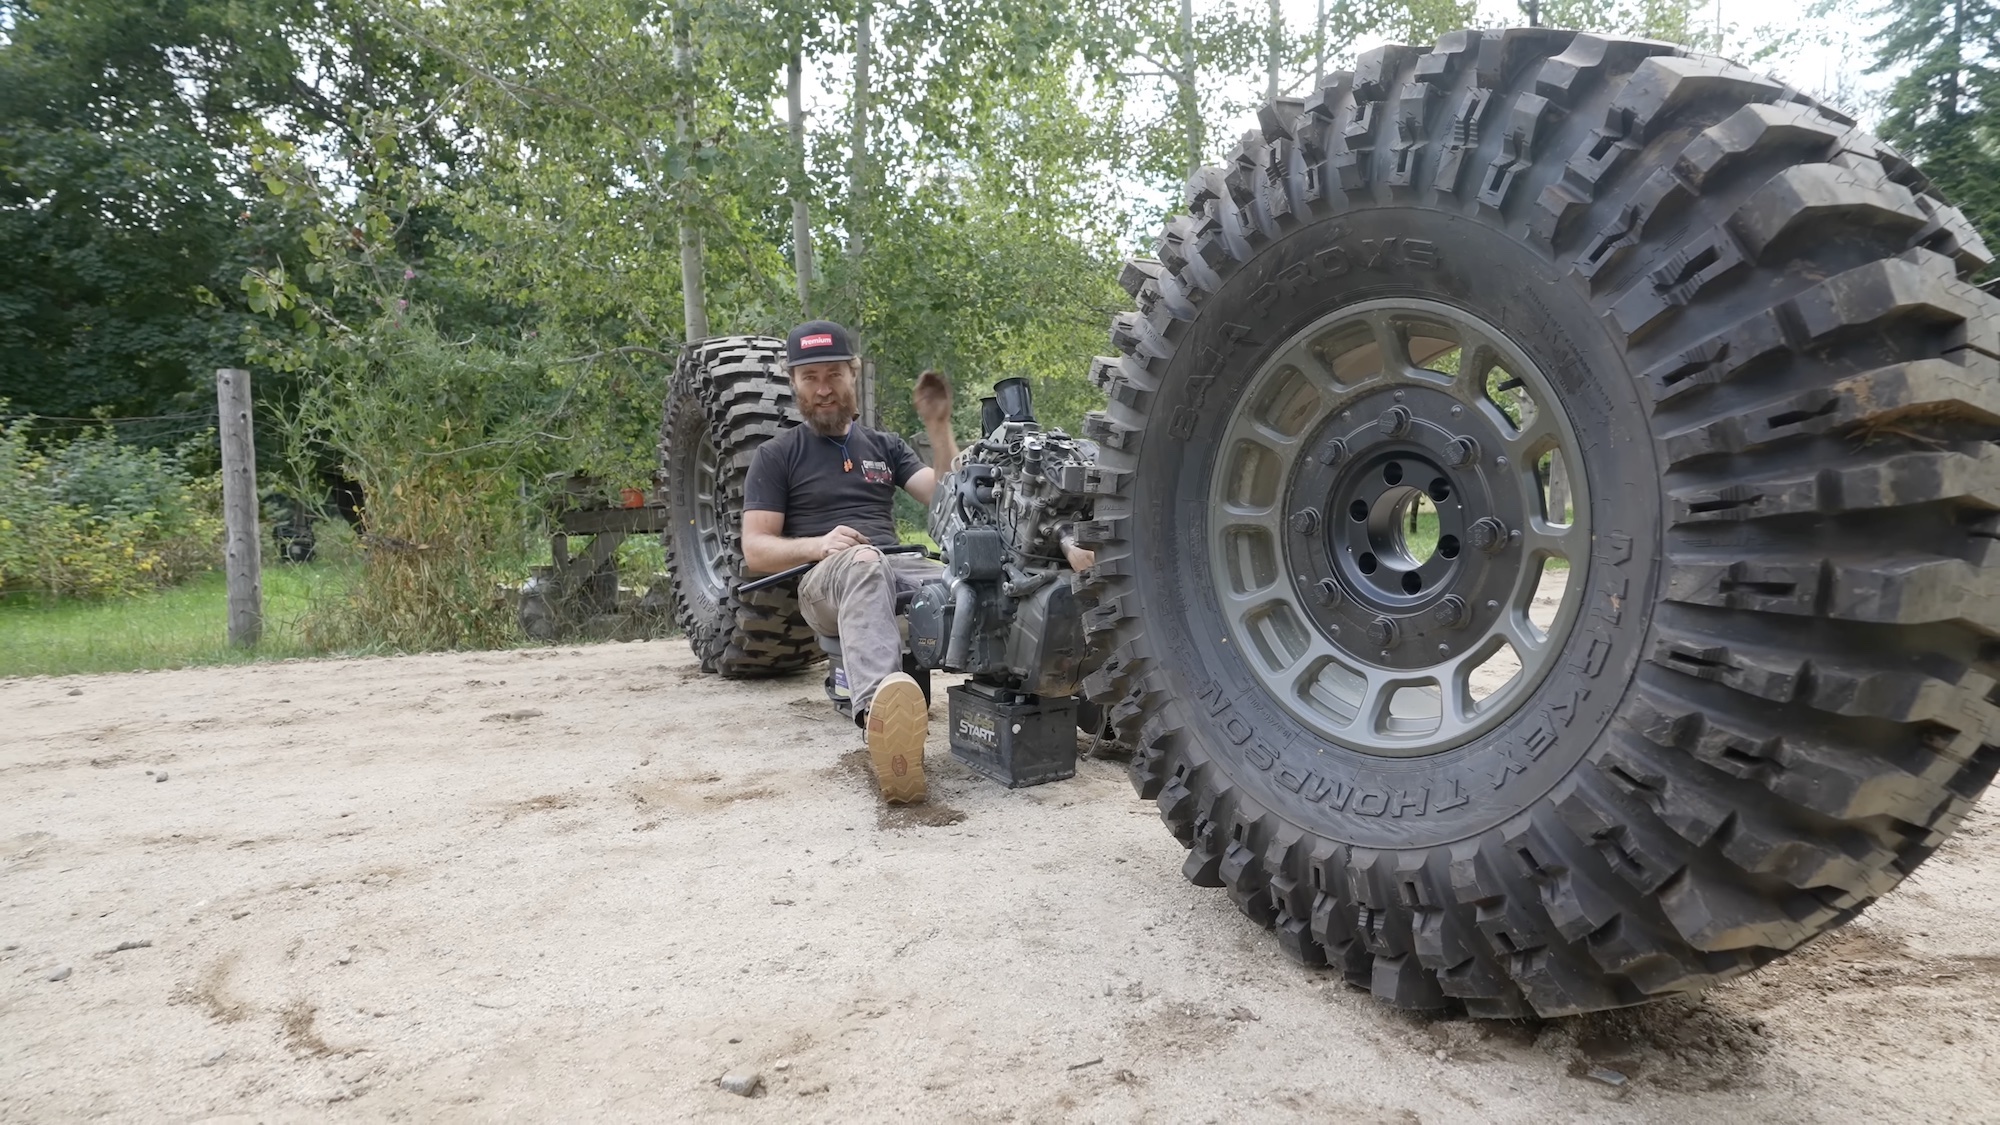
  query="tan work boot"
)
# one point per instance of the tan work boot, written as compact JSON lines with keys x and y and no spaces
{"x":898,"y":722}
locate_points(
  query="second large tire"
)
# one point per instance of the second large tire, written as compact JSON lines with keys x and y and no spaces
{"x":1767,"y":692}
{"x":729,"y":396}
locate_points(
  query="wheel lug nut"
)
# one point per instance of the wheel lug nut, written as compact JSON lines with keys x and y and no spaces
{"x":1327,"y":593}
{"x":1395,"y":421}
{"x":1333,"y":452}
{"x":1461,"y":451}
{"x":1487,"y":534}
{"x":1382,"y":631}
{"x":1450,"y":612}
{"x":1305,"y":521}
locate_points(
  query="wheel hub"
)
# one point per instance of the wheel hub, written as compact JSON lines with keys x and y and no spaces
{"x":1370,"y":479}
{"x":1382,"y":522}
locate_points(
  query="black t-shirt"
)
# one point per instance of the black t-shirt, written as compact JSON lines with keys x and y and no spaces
{"x":799,"y":475}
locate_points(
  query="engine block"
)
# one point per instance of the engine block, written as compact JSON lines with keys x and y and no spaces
{"x":1005,"y":612}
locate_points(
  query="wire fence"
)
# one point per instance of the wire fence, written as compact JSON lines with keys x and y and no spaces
{"x":136,"y":429}
{"x":95,"y":419}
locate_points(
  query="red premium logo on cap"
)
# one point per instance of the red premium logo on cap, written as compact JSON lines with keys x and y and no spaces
{"x":823,"y":340}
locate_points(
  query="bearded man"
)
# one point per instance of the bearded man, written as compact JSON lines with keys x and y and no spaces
{"x":824,"y":493}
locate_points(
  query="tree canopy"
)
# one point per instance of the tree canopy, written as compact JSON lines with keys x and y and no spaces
{"x":1943,"y":111}
{"x":192,"y":183}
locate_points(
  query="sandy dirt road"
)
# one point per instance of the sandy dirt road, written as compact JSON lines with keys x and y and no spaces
{"x":583,"y":884}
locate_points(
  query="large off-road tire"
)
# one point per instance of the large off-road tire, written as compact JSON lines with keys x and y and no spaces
{"x":1766,"y":692}
{"x":729,"y":395}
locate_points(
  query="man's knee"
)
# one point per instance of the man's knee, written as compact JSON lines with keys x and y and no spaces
{"x":863,"y":562}
{"x":855,"y":568}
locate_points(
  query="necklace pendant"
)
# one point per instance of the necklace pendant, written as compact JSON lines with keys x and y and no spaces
{"x":847,"y":466}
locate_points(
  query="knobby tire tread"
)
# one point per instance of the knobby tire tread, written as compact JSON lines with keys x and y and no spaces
{"x":736,"y":388}
{"x":1816,"y":708}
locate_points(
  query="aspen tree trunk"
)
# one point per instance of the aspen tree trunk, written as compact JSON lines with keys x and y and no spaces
{"x":1190,"y":104}
{"x":857,"y":171}
{"x":802,"y":250}
{"x":1274,"y":45}
{"x":1319,"y":47}
{"x":694,"y":299}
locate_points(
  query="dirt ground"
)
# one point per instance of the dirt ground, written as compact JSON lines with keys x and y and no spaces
{"x":586,"y":883}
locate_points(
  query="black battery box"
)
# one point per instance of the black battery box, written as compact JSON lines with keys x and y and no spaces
{"x":1012,"y":738}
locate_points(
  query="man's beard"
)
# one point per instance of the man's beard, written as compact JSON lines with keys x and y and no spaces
{"x":829,"y":421}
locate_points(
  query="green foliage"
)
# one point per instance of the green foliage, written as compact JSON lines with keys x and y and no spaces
{"x":1941,"y":112}
{"x":1183,"y":61}
{"x":595,"y":141}
{"x":442,"y":431}
{"x":112,"y":209}
{"x":123,"y":210}
{"x":440,"y":434}
{"x":1001,"y":262}
{"x":92,"y":517}
{"x":1673,"y":21}
{"x":449,"y":236}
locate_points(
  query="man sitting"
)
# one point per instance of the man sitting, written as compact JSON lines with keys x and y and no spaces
{"x":824,"y":493}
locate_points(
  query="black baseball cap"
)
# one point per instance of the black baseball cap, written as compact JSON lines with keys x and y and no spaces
{"x":817,"y":341}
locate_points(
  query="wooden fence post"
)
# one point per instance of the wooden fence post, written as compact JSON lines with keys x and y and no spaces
{"x":241,"y":559}
{"x":871,"y":413}
{"x":1558,"y":490}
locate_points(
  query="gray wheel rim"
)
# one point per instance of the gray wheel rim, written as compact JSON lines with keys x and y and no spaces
{"x":1356,"y":421}
{"x":712,"y":550}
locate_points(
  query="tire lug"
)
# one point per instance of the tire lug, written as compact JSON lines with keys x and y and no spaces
{"x":1461,"y":451}
{"x":1333,"y":452}
{"x":1395,"y":421}
{"x":1450,"y":612}
{"x":1487,"y":534}
{"x":1327,"y":593}
{"x":1305,"y":521}
{"x":1382,"y":631}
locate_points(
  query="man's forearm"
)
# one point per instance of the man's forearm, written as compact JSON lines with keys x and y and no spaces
{"x":944,"y":446}
{"x":769,"y":554}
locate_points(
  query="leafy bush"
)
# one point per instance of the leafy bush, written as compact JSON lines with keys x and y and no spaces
{"x":443,"y":437}
{"x":92,"y":517}
{"x":452,"y":420}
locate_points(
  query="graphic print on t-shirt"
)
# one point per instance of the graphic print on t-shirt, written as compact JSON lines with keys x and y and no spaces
{"x":876,"y":472}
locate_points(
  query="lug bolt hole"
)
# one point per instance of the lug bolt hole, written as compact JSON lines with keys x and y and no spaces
{"x":1392,"y":472}
{"x":1367,"y":563}
{"x":1412,"y":582}
{"x":1358,"y":511}
{"x":1448,"y":546}
{"x":1440,"y":490}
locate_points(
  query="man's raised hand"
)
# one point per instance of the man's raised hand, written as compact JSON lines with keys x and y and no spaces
{"x":932,"y":398}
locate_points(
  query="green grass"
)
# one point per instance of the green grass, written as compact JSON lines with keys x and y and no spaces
{"x":915,"y":533}
{"x":173,"y":628}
